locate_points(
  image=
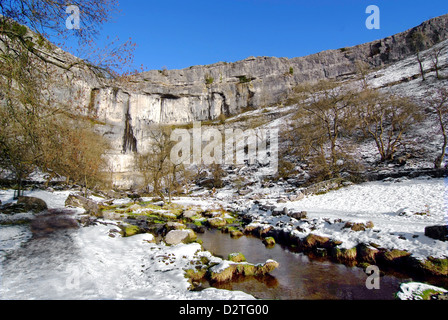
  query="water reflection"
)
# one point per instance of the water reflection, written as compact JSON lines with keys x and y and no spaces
{"x":297,"y":277}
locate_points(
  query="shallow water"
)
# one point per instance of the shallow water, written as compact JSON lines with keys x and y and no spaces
{"x":44,"y":266}
{"x":298,"y":277}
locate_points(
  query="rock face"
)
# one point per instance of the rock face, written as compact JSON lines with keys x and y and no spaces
{"x":126,"y":111}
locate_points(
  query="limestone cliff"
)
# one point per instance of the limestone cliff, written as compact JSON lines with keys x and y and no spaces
{"x":203,"y":93}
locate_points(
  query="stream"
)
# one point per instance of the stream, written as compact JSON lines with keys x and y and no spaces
{"x":38,"y":266}
{"x":298,"y":277}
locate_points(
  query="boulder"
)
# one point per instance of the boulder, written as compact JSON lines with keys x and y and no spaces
{"x":358,"y":226}
{"x":216,"y":222}
{"x":32,"y":204}
{"x":269,"y":241}
{"x":244,"y":191}
{"x":278,"y":212}
{"x":437,"y":232}
{"x":171,"y":225}
{"x":298,"y":215}
{"x":78,"y":201}
{"x":180,"y":236}
{"x":313,"y":241}
{"x":296,"y":197}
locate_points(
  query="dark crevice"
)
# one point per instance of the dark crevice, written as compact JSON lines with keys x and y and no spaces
{"x":129,"y":140}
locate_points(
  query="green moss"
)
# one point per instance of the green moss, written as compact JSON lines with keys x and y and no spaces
{"x":130,"y":230}
{"x":364,"y":265}
{"x":244,"y":79}
{"x":436,"y":266}
{"x":269,"y":241}
{"x":209,"y":80}
{"x":426,"y":294}
{"x":247,"y":269}
{"x":236,"y":257}
{"x":395,"y":254}
{"x":341,"y":254}
{"x":204,"y":260}
{"x":230,"y":220}
{"x":216,"y":222}
{"x":196,"y":274}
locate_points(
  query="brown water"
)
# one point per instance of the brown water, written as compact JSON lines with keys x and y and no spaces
{"x":298,"y":277}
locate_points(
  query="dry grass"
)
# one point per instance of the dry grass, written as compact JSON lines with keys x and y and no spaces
{"x":345,"y":255}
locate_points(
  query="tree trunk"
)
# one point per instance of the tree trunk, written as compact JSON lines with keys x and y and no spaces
{"x":441,"y":157}
{"x":420,"y":63}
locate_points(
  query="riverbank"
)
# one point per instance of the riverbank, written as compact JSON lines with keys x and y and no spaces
{"x":376,"y":222}
{"x":329,"y":226}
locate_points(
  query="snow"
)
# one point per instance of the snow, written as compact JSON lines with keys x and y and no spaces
{"x":413,"y":290}
{"x":87,"y":264}
{"x":393,"y":207}
{"x":54,"y":200}
{"x":408,"y":68}
{"x":91,"y":265}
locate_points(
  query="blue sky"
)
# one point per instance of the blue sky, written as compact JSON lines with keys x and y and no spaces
{"x":180,"y":33}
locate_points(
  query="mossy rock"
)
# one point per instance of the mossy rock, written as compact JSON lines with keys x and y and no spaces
{"x":224,"y":273}
{"x":171,"y":225}
{"x":235,"y":233}
{"x":175,"y":237}
{"x":313,"y":241}
{"x":434,"y":266}
{"x":367,"y":253}
{"x":269,"y":241}
{"x":216,"y":222}
{"x":196,"y":274}
{"x":130,"y":230}
{"x":394,"y":256}
{"x":257,"y":229}
{"x":236,"y":257}
{"x":344,"y":255}
{"x":429,"y":294}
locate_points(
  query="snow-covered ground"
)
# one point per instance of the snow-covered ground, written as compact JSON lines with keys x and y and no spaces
{"x":400,"y":210}
{"x":88,"y":264}
{"x":415,"y":290}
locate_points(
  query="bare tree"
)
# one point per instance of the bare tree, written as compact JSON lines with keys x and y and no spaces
{"x":362,"y":70}
{"x":435,"y":57}
{"x":386,"y":119}
{"x":439,"y":105}
{"x":156,"y":166}
{"x":35,"y":122}
{"x":323,"y":118}
{"x":418,"y":44}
